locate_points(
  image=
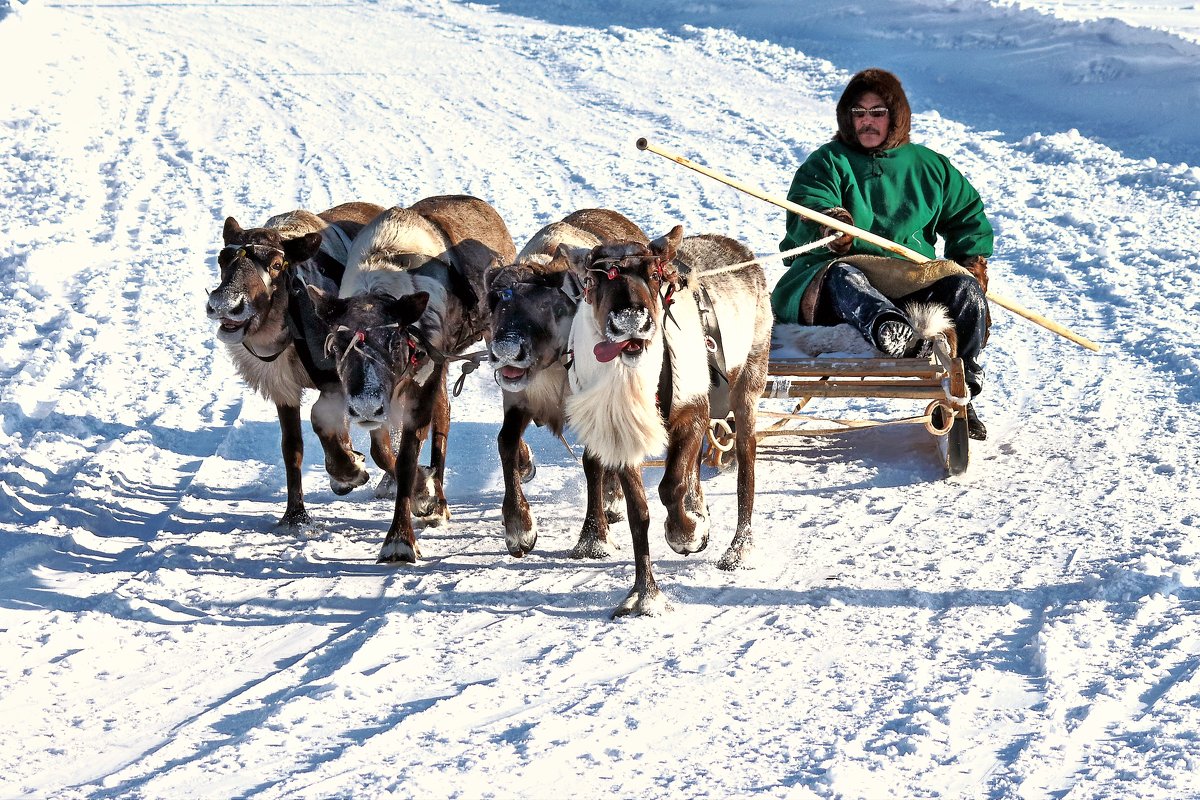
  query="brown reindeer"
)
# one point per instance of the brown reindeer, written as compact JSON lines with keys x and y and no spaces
{"x":532,"y":304}
{"x":642,"y":338}
{"x":409,"y":303}
{"x":264,"y":319}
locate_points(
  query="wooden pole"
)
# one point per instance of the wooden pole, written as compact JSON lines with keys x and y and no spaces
{"x":865,"y":235}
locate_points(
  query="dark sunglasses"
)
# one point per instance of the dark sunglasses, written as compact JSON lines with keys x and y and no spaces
{"x":877,"y":112}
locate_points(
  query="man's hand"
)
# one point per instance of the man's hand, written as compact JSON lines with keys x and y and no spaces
{"x":841,"y":245}
{"x":977,"y":266}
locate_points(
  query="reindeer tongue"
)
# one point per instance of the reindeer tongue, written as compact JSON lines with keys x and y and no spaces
{"x":606,"y":351}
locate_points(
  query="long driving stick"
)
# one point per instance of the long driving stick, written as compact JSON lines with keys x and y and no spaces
{"x":865,"y":235}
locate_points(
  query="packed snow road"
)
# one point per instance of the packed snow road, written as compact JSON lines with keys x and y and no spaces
{"x":1027,"y":630}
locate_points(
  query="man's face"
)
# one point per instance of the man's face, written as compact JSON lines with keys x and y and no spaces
{"x":872,"y":131}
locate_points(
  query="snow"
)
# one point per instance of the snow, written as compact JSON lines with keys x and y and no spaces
{"x":1026,"y":630}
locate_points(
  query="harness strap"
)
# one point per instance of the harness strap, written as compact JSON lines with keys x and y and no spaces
{"x":265,"y":359}
{"x":718,"y":390}
{"x":307,"y":329}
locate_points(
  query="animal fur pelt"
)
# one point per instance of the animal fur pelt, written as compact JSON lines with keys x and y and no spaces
{"x":897,"y":277}
{"x":789,"y":340}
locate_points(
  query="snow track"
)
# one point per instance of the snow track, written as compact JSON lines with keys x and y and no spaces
{"x":1026,"y":630}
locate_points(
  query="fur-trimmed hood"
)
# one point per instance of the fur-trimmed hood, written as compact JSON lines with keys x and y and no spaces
{"x":887,"y":86}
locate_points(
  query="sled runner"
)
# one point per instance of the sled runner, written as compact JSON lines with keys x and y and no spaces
{"x":940,"y":380}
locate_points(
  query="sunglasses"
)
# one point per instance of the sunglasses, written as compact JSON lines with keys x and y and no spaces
{"x":877,"y":112}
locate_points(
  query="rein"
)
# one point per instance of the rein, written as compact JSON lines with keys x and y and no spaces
{"x":694,"y":277}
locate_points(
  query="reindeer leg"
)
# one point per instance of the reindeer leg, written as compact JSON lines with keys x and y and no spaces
{"x":593,"y":539}
{"x":291,"y":444}
{"x":614,"y":498}
{"x":429,"y":493}
{"x":680,"y":488}
{"x":344,"y":465}
{"x":383,"y":453}
{"x":644,"y":598}
{"x":745,"y":414}
{"x":400,"y":544}
{"x":520,"y":530}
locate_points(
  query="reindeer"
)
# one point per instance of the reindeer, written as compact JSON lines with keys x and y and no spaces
{"x":409,"y":304}
{"x":641,"y":376}
{"x":265,"y":321}
{"x":532,"y":303}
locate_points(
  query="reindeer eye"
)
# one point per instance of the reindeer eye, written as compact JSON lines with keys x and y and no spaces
{"x":505,"y":295}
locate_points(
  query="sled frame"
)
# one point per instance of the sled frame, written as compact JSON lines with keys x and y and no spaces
{"x":939,"y":379}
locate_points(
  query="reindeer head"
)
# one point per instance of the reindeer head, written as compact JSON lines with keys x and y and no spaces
{"x":531,"y":305}
{"x":628,"y":287}
{"x":253,"y":266}
{"x":375,"y":343}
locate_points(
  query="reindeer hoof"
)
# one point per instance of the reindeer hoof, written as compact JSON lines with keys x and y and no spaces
{"x":649,"y":603}
{"x":341,"y":487}
{"x":386,"y":488}
{"x":398,"y":553}
{"x":295,"y":518}
{"x":520,"y":543}
{"x":436,"y":518}
{"x":591,"y":547}
{"x":737,"y":555}
{"x":688,"y":535}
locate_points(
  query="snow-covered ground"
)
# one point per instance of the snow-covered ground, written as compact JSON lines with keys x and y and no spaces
{"x":1028,"y":630}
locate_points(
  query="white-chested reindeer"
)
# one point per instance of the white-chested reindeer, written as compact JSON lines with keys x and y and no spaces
{"x":264,"y":319}
{"x":532,"y":304}
{"x":640,"y":380}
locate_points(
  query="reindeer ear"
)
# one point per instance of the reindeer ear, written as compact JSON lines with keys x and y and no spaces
{"x":665,"y":246}
{"x":302,"y":249}
{"x":327,"y":306}
{"x":408,"y":309}
{"x":576,"y":259}
{"x":231,"y":230}
{"x":572,"y":286}
{"x":490,"y":273}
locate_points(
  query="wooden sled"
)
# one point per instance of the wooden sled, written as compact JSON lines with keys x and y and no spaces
{"x":940,"y":379}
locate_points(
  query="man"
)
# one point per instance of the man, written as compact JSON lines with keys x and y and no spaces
{"x":872,"y":177}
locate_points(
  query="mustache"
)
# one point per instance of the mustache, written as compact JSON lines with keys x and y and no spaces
{"x":868,"y":129}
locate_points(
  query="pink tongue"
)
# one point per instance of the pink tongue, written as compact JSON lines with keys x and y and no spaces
{"x":512,"y":372}
{"x":606,"y":351}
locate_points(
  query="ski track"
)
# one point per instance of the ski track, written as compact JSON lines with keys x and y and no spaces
{"x":1000,"y":665}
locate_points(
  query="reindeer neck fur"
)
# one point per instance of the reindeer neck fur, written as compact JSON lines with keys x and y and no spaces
{"x":281,"y":380}
{"x":544,"y":397}
{"x":612,"y":408}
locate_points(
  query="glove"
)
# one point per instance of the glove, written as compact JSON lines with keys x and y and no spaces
{"x":977,"y":266}
{"x":841,"y":245}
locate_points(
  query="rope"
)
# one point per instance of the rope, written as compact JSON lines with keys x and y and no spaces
{"x":473,"y":360}
{"x":694,"y":277}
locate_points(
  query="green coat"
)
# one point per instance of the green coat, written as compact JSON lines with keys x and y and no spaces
{"x":909,"y":194}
